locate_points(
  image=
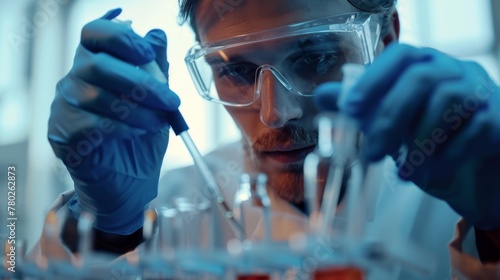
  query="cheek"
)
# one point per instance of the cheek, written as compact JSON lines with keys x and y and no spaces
{"x":247,"y":120}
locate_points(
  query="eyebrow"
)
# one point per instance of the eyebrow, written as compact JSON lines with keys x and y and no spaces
{"x":312,"y":41}
{"x":211,"y":60}
{"x":303,"y":44}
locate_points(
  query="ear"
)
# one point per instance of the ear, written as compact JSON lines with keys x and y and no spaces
{"x":393,"y":32}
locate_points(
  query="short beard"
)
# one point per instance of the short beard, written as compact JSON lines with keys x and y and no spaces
{"x":286,"y":184}
{"x":290,"y":133}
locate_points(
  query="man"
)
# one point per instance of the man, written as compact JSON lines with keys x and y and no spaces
{"x":108,"y":122}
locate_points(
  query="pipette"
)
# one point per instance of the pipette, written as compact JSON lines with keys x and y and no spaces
{"x":180,"y":128}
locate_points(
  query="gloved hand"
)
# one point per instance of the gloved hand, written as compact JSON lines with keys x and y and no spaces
{"x":445,"y":112}
{"x":108,"y":123}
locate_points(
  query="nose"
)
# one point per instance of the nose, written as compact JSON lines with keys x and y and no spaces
{"x":278,"y":105}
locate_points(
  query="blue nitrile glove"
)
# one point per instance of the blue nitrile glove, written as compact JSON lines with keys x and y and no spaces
{"x":108,"y":124}
{"x":445,"y":112}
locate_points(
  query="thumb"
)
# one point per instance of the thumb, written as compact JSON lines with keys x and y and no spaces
{"x":326,"y":96}
{"x":111,"y":14}
{"x":158,"y":41}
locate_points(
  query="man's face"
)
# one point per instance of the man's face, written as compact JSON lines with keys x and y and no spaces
{"x":278,"y":129}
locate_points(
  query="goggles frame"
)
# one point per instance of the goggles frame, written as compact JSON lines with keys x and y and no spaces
{"x":366,"y":26}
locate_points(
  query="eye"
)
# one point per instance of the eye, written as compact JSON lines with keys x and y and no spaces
{"x":314,"y":58}
{"x":315,"y":62}
{"x":240,"y":73}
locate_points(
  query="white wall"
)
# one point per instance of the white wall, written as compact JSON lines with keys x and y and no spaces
{"x":462,"y":28}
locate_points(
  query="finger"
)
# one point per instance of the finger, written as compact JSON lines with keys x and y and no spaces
{"x":158,"y":41}
{"x":120,"y":108}
{"x":478,"y":132}
{"x":152,"y":154}
{"x":475,"y":116}
{"x":379,"y":78}
{"x":445,"y":118}
{"x":326,"y":95}
{"x":405,"y":103}
{"x":120,"y":78}
{"x":111,"y":14}
{"x":118,"y":40}
{"x":461,"y":123}
{"x":75,"y":133}
{"x":432,"y":133}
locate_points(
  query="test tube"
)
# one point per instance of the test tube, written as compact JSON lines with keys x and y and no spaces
{"x":344,"y":164}
{"x":168,"y":231}
{"x":183,"y":244}
{"x":252,"y":192}
{"x":148,"y":230}
{"x":338,"y":144}
{"x":263,"y":200}
{"x":348,"y":142}
{"x":253,"y":189}
{"x":189,"y":224}
{"x":315,"y":162}
{"x":85,"y":234}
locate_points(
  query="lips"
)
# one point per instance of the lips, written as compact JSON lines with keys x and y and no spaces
{"x":288,"y":155}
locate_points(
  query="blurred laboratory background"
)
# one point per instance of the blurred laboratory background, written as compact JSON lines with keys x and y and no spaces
{"x":37,"y":43}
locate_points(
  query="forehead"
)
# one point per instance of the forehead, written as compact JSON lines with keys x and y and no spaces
{"x":222,"y":19}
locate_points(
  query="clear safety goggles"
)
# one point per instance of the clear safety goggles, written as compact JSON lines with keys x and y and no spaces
{"x":300,"y":56}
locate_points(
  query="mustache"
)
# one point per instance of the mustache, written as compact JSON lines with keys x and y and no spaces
{"x":290,"y":133}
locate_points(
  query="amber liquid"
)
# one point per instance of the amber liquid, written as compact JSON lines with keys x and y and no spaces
{"x":339,"y":273}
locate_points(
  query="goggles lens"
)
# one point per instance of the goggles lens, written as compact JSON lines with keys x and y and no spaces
{"x":301,"y":57}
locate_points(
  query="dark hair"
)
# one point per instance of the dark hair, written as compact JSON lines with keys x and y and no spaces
{"x":188,"y":9}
